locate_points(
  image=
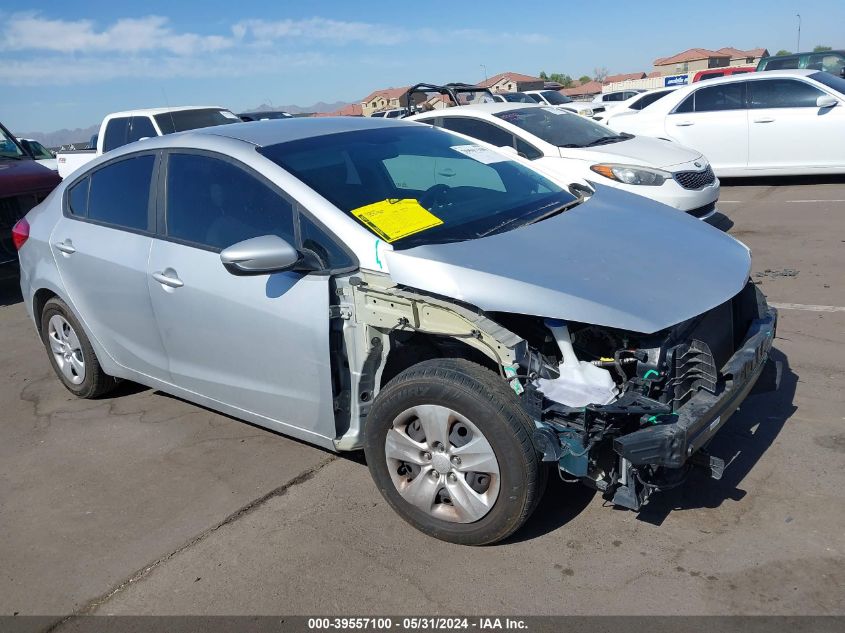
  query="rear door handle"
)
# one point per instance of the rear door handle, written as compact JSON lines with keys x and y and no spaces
{"x":66,"y":247}
{"x":168,"y":278}
{"x":684,"y":123}
{"x":764,"y":120}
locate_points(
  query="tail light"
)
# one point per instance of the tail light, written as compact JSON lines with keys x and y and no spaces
{"x":20,"y":233}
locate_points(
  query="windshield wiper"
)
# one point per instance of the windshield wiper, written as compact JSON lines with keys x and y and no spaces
{"x":606,"y":140}
{"x":543,"y":216}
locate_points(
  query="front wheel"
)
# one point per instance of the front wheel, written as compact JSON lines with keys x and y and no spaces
{"x":450,"y":449}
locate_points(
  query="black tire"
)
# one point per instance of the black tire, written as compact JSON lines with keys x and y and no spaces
{"x":490,"y":404}
{"x":95,"y":382}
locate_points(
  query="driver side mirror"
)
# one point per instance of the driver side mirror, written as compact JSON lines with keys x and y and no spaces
{"x":263,"y":254}
{"x":826,"y":101}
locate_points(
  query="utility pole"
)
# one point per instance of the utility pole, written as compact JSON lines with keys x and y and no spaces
{"x":798,"y":46}
{"x":485,"y":71}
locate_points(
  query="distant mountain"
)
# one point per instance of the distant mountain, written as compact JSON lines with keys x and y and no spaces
{"x":80,"y":135}
{"x":320,"y":106}
{"x":61,"y":137}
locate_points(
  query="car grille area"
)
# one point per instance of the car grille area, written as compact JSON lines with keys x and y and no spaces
{"x":695,"y":179}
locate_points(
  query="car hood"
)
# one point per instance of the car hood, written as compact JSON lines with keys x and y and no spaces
{"x":640,"y":150}
{"x":18,"y":177}
{"x":617,"y":260}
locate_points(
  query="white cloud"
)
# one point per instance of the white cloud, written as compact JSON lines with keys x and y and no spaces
{"x":127,"y":35}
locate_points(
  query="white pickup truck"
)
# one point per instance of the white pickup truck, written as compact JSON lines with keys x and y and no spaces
{"x":120,"y":128}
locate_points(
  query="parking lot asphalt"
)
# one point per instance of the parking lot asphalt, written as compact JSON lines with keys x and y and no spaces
{"x":144,"y":504}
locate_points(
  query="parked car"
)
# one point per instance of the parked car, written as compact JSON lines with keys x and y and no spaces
{"x":609,"y":99}
{"x":388,"y":285}
{"x":557,"y":99}
{"x":727,"y":71}
{"x":265,"y":115}
{"x":121,"y":128}
{"x":394,"y":113}
{"x":767,"y":123}
{"x":23,"y":184}
{"x":634,"y":104}
{"x":512,"y":97}
{"x":573,"y":148}
{"x":828,"y":61}
{"x":41,"y":154}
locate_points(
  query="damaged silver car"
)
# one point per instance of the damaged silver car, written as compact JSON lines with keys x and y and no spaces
{"x":392,"y":287}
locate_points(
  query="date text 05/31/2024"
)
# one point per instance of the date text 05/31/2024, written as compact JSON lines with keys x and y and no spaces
{"x":417,"y":624}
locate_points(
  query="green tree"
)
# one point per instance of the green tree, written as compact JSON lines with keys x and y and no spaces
{"x":544,"y":76}
{"x":821,"y":49}
{"x":562,"y":78}
{"x":783,"y":52}
{"x":585,"y":79}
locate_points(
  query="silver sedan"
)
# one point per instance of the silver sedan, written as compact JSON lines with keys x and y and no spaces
{"x":385,"y":285}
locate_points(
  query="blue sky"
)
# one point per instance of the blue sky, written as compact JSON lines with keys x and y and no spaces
{"x":68,"y":64}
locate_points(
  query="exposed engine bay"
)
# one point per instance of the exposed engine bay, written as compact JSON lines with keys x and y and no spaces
{"x":623,"y":412}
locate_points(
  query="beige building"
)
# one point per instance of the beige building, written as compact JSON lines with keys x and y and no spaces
{"x":386,"y":99}
{"x":511,"y":82}
{"x":696,"y":59}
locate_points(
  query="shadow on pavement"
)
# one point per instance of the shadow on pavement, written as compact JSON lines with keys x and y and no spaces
{"x":741,"y":443}
{"x":10,"y":290}
{"x":784,"y":181}
{"x":561,"y":503}
{"x":721,"y":221}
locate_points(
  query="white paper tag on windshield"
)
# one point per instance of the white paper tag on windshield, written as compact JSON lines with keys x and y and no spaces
{"x":228,"y":114}
{"x":556,"y":110}
{"x":481,"y":154}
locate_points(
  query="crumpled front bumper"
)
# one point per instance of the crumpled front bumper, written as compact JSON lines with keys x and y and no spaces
{"x":672,"y":444}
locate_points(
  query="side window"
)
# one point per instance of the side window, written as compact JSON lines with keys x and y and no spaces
{"x":77,"y":198}
{"x":528,"y":151}
{"x":214,"y":203}
{"x":140,"y":127}
{"x":116,"y":131}
{"x":687,"y":105}
{"x":722,"y":97}
{"x":120,"y":192}
{"x":324,"y":248}
{"x":781,"y":63}
{"x":783,"y":93}
{"x":481,"y":130}
{"x":536,"y":97}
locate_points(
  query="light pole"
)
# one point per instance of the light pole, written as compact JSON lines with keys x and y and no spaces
{"x":485,"y":71}
{"x":798,"y":46}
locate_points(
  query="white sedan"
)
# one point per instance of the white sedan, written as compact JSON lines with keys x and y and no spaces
{"x":634,"y":104}
{"x":778,"y":122}
{"x":572,"y":148}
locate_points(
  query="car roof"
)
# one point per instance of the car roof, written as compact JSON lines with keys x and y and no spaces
{"x":274,"y":131}
{"x":770,"y":74}
{"x":153,"y":111}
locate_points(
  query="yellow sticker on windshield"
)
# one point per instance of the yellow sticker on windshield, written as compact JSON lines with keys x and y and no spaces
{"x":394,"y":219}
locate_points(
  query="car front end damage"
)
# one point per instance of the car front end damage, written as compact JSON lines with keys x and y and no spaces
{"x":665,"y":394}
{"x":676,"y":389}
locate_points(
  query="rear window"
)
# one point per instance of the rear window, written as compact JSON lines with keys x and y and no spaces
{"x":413,"y":185}
{"x":831,"y":81}
{"x":182,"y":120}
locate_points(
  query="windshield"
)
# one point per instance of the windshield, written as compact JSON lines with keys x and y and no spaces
{"x":831,"y":81}
{"x":261,"y":116}
{"x":413,"y":185}
{"x":8,"y":147}
{"x":555,"y":98}
{"x":517,"y":97}
{"x":181,"y":120}
{"x":561,"y":128}
{"x":37,"y":149}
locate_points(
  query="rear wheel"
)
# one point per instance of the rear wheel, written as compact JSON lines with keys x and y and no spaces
{"x":71,"y":355}
{"x":450,"y":449}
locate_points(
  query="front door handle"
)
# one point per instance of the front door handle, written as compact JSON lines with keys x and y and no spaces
{"x":684,"y":123}
{"x":168,"y":278}
{"x":66,"y":247}
{"x":764,"y":120}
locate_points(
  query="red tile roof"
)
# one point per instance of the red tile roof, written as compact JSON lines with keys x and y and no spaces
{"x":353,"y":109}
{"x":387,"y":93}
{"x":588,"y":88}
{"x":492,"y":81}
{"x":694,"y":54}
{"x":611,"y":79}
